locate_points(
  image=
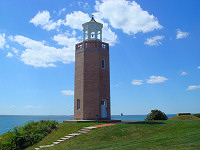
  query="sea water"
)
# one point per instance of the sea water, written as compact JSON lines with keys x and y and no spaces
{"x":8,"y":122}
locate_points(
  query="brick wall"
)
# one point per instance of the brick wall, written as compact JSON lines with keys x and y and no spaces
{"x":92,"y":83}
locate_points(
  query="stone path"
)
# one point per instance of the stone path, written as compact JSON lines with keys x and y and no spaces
{"x":82,"y":131}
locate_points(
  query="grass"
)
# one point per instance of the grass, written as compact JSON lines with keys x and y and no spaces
{"x":171,"y":134}
{"x":63,"y":130}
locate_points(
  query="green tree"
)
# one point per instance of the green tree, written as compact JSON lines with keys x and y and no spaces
{"x":156,"y":115}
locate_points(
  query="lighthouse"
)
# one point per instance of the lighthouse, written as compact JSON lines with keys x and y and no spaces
{"x":92,"y":75}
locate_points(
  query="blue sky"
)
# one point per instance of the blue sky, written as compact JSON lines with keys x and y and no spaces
{"x":154,"y":54}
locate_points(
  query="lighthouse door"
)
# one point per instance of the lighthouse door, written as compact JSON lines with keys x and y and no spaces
{"x":103,"y":108}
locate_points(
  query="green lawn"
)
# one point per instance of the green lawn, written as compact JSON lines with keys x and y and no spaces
{"x":63,"y":130}
{"x":171,"y":134}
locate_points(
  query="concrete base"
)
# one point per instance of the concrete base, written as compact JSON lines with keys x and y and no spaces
{"x":87,"y":121}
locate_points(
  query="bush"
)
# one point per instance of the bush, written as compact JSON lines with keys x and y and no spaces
{"x":21,"y":137}
{"x":197,"y":115}
{"x":156,"y":115}
{"x":184,"y":117}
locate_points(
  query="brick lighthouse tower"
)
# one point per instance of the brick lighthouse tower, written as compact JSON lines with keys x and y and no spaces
{"x":92,"y":75}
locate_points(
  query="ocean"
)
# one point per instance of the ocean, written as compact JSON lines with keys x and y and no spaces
{"x":8,"y":122}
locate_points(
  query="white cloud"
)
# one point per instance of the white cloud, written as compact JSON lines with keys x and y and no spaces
{"x":198,"y":67}
{"x":184,"y":73}
{"x":117,"y":84}
{"x":137,"y":82}
{"x":76,"y":19}
{"x":108,"y":35}
{"x":62,"y":39}
{"x":9,"y":55}
{"x":14,"y":50}
{"x":181,"y":34}
{"x":43,"y":19}
{"x":61,"y":11}
{"x":127,"y":16}
{"x":156,"y":79}
{"x":154,"y":41}
{"x":84,"y":5}
{"x":12,"y":106}
{"x":38,"y":54}
{"x":7,"y":46}
{"x":28,"y":107}
{"x":193,"y":87}
{"x":2,"y":40}
{"x":67,"y":92}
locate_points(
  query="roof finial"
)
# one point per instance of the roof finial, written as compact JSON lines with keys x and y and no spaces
{"x":92,"y":20}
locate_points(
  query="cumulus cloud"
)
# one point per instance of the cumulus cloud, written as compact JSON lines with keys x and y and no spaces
{"x":193,"y":87}
{"x":38,"y":54}
{"x":184,"y":73}
{"x":137,"y":82}
{"x":43,"y":19}
{"x":108,"y":35}
{"x":67,"y":92}
{"x":2,"y":40}
{"x":156,"y":79}
{"x":198,"y":67}
{"x":77,"y":18}
{"x":9,"y":55}
{"x":62,"y":39}
{"x":127,"y":16}
{"x":181,"y":34}
{"x":154,"y":41}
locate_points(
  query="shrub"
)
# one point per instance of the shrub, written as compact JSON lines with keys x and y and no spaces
{"x":184,"y":117}
{"x":197,"y":115}
{"x":21,"y":137}
{"x":156,"y":115}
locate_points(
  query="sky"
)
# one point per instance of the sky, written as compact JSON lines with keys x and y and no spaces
{"x":154,"y":54}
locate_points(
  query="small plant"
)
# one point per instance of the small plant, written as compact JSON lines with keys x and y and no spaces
{"x":197,"y":115}
{"x":156,"y":115}
{"x":21,"y":137}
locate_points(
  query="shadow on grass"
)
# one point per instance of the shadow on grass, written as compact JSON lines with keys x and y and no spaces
{"x":146,"y":122}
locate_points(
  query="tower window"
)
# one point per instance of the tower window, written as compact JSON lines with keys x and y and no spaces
{"x":92,"y":35}
{"x":86,"y":35}
{"x":78,"y":104}
{"x":103,"y":64}
{"x":98,"y":35}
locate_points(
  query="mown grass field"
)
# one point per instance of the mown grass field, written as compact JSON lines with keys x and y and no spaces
{"x":171,"y":134}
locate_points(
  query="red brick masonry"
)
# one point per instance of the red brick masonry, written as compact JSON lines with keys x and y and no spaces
{"x":92,"y":83}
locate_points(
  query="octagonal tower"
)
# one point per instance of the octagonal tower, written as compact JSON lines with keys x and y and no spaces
{"x":92,"y":75}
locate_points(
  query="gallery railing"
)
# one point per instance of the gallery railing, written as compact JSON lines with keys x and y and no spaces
{"x":92,"y":45}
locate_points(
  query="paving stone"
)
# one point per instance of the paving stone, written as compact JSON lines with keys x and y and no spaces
{"x":85,"y":130}
{"x":56,"y":142}
{"x":60,"y":140}
{"x":90,"y":128}
{"x":49,"y":145}
{"x":37,"y":148}
{"x":74,"y":134}
{"x":82,"y":132}
{"x":64,"y":138}
{"x":68,"y":136}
